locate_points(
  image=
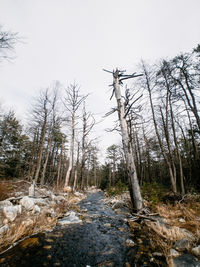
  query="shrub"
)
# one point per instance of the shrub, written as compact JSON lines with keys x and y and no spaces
{"x":153,"y":192}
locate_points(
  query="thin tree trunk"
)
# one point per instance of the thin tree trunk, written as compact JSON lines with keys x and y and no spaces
{"x":177,"y":150}
{"x":173,"y":183}
{"x":148,"y":155}
{"x":42,"y":138}
{"x":33,"y":156}
{"x":95,"y":173}
{"x":76,"y":170}
{"x":59,"y":165}
{"x":71,"y":158}
{"x":46,"y":161}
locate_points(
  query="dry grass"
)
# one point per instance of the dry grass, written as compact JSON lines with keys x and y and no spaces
{"x":176,"y":211}
{"x":5,"y":190}
{"x":178,"y":217}
{"x":28,"y":224}
{"x":190,"y":212}
{"x":170,"y":234}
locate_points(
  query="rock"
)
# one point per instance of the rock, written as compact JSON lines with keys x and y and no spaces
{"x":59,"y":198}
{"x":27,"y":203}
{"x":107,"y":224}
{"x":19,"y":194}
{"x":67,"y":189}
{"x":3,"y":229}
{"x":196,"y":251}
{"x":45,"y":192}
{"x":41,"y":201}
{"x":186,"y":260}
{"x":37,"y":209}
{"x":11,"y":212}
{"x":5,"y":203}
{"x":182,"y":244}
{"x":181,"y":220}
{"x":78,"y":194}
{"x":118,"y":205}
{"x":52,"y":196}
{"x":71,"y":218}
{"x":130,"y":243}
{"x":174,"y":253}
{"x":124,"y":211}
{"x":53,"y":214}
{"x":187,"y":234}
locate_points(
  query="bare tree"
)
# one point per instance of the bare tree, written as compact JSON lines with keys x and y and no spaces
{"x":148,"y":83}
{"x":88,"y":123}
{"x":8,"y":41}
{"x":183,"y":72}
{"x":73,"y":100}
{"x":118,"y":77}
{"x":77,"y":167}
{"x":41,"y":111}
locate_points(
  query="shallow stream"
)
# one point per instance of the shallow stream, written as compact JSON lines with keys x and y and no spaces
{"x":102,"y":239}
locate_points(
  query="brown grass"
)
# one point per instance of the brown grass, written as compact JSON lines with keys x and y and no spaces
{"x":23,"y":227}
{"x":172,"y":214}
{"x":27,"y":225}
{"x":163,"y":237}
{"x":5,"y":190}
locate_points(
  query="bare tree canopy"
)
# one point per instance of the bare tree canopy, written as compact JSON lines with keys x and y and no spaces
{"x":8,"y":41}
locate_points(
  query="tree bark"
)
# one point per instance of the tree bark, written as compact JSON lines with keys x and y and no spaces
{"x":133,"y":180}
{"x":42,"y":138}
{"x":59,"y":165}
{"x":173,"y":182}
{"x":71,"y":158}
{"x":76,"y":170}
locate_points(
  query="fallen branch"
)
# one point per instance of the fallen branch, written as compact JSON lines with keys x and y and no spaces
{"x":147,"y":217}
{"x":18,"y":198}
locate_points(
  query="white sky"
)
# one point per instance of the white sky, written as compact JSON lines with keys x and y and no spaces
{"x":73,"y":40}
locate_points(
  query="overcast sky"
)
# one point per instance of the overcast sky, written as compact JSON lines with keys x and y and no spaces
{"x":69,"y":40}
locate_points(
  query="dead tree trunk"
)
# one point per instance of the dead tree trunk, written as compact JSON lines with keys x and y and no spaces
{"x":71,"y":158}
{"x":130,"y":164}
{"x":73,"y":102}
{"x":76,"y":170}
{"x":59,"y":164}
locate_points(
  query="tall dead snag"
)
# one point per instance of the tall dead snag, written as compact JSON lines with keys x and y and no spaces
{"x":88,"y":123}
{"x":72,"y":103}
{"x":135,"y":191}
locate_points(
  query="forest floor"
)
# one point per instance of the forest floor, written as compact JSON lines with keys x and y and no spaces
{"x":102,"y":231}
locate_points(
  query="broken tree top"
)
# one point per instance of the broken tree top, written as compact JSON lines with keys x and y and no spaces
{"x":121,"y":76}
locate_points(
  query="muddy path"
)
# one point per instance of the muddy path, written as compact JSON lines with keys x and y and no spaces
{"x":101,"y":239}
